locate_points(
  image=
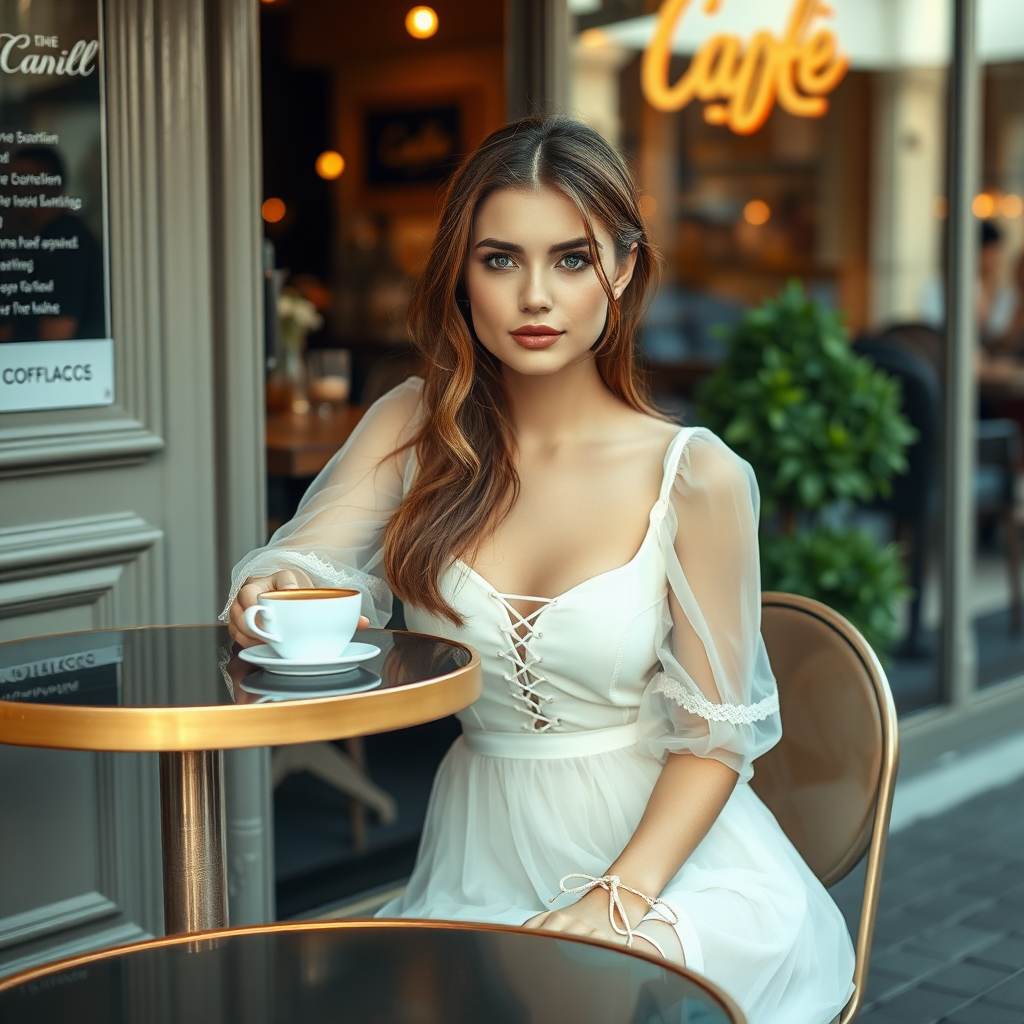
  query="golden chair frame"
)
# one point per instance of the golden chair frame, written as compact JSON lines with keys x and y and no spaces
{"x":830,"y":780}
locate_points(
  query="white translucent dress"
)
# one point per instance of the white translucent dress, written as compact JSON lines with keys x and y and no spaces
{"x":582,"y":701}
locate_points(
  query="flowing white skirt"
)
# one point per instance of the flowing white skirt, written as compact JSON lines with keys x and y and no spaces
{"x":501,"y":832}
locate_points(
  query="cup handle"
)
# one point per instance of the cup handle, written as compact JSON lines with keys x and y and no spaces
{"x":250,"y":623}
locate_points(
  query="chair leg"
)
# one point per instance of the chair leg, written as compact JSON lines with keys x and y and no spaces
{"x":1011,"y":530}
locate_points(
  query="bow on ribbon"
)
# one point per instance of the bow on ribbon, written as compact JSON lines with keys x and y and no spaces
{"x":612,"y":884}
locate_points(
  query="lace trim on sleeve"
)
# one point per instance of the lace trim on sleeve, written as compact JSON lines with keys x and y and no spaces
{"x":274,"y":560}
{"x":698,"y":704}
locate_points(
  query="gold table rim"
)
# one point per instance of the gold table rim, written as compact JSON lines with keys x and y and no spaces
{"x":81,"y":959}
{"x":233,"y":726}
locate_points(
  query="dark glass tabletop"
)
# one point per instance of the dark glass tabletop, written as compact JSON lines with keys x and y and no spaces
{"x":363,"y":972}
{"x":184,"y":675}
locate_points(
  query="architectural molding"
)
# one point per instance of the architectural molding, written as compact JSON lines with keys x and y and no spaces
{"x":119,"y":936}
{"x":51,"y":917}
{"x":55,"y":447}
{"x":33,"y":595}
{"x":64,"y":542}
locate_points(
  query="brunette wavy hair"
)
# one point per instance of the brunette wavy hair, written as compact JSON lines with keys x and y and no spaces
{"x":467,"y":480}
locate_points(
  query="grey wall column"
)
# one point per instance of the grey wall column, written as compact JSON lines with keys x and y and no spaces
{"x":958,"y":654}
{"x":236,"y":185}
{"x":536,"y":56}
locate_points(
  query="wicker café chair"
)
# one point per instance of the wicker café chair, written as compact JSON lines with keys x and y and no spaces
{"x":829,"y":781}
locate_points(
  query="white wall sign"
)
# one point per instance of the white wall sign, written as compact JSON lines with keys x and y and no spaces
{"x":56,"y":374}
{"x":54,"y":302}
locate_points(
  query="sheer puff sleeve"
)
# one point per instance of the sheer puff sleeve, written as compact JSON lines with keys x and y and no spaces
{"x":334,"y":540}
{"x":715,"y":695}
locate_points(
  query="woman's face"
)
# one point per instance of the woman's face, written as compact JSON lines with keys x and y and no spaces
{"x":534,"y":296}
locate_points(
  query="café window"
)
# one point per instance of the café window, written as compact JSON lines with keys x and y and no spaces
{"x":55,"y":338}
{"x":829,"y":169}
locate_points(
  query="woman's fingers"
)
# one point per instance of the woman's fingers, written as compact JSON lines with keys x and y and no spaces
{"x":364,"y":622}
{"x":286,"y":579}
{"x":558,"y":921}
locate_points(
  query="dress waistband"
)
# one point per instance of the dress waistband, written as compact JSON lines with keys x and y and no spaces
{"x":551,"y":744}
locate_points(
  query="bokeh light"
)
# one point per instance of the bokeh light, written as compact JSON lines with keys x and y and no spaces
{"x":421,"y":22}
{"x":1011,"y":206}
{"x":329,"y":165}
{"x":757,"y":212}
{"x":984,"y":205}
{"x":273,"y":210}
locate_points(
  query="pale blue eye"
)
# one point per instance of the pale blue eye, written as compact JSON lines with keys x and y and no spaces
{"x":574,"y":261}
{"x":500,"y":262}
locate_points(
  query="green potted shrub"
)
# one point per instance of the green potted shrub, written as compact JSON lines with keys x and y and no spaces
{"x":822,"y":429}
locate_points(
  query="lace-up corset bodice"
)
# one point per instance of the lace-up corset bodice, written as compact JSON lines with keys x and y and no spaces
{"x":580,"y":661}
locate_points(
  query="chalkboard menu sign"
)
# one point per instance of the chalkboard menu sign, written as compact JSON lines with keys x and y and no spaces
{"x":55,"y":345}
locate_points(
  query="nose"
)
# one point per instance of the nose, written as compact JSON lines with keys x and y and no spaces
{"x":536,"y":294}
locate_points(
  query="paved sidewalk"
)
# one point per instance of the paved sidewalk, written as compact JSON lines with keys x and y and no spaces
{"x":949,"y":944}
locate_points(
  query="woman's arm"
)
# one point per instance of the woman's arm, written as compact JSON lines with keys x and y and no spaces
{"x":701,"y":704}
{"x":686,"y":801}
{"x":334,"y":539}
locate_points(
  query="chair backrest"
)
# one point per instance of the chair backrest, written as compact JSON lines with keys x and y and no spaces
{"x":829,"y":780}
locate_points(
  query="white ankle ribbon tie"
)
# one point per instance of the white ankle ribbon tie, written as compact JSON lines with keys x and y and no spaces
{"x":537,"y":744}
{"x":612,"y":884}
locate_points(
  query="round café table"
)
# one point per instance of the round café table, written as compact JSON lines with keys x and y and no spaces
{"x":184,"y":692}
{"x":365,"y":972}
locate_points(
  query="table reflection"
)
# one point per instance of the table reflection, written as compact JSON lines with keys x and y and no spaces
{"x":197,"y":666}
{"x":368,"y":972}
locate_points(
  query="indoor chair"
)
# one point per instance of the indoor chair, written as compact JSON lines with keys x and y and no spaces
{"x":829,"y":781}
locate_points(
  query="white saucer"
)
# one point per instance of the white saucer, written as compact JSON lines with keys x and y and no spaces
{"x":264,"y":656}
{"x":274,"y":687}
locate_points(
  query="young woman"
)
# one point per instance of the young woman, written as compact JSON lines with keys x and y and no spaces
{"x":525,"y":498}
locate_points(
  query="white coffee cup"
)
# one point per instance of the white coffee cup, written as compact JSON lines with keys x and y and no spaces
{"x":306,"y":625}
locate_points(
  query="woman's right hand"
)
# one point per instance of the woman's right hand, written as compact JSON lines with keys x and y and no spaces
{"x":286,"y":579}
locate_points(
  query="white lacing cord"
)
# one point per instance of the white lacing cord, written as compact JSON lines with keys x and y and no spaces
{"x":612,"y":883}
{"x":523,"y":682}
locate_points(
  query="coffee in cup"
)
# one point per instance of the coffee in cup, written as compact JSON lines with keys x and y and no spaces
{"x":314,"y":624}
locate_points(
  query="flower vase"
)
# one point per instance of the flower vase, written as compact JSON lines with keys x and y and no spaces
{"x":288,"y":382}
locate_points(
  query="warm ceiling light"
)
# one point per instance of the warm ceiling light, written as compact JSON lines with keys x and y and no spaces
{"x":329,"y":165}
{"x":1011,"y":206}
{"x":421,"y":22}
{"x":273,"y":210}
{"x":984,"y":205}
{"x":757,"y":212}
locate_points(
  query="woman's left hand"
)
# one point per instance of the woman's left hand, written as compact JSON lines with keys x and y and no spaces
{"x":587,"y":917}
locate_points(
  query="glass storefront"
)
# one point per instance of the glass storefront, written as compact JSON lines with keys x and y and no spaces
{"x":746,"y":191}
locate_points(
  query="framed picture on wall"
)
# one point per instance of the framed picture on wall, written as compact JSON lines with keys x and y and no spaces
{"x":412,"y":145}
{"x":407,"y":145}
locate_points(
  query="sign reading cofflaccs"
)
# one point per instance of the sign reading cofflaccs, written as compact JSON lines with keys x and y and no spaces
{"x":55,"y":345}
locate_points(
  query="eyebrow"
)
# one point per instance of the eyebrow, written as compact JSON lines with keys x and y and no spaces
{"x":497,"y":243}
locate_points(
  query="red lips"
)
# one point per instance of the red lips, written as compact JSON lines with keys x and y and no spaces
{"x":535,"y":336}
